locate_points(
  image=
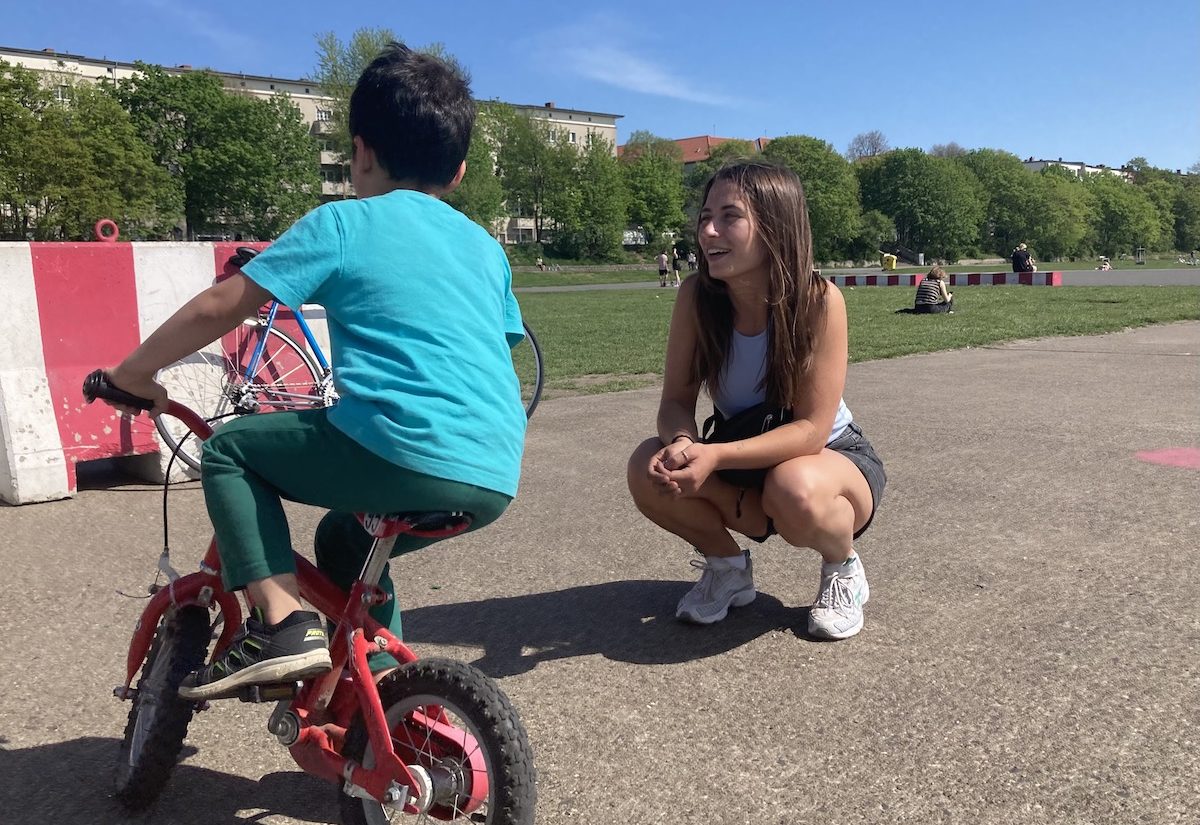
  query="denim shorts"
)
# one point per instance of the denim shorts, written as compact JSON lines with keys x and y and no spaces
{"x":854,"y":446}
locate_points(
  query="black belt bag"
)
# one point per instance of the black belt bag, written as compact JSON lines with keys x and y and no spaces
{"x":748,"y":423}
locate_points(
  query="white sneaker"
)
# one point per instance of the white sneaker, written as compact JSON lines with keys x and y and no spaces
{"x":721,"y":587}
{"x":838,"y":611}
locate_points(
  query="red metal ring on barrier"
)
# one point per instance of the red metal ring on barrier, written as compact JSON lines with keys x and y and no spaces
{"x":106,"y":224}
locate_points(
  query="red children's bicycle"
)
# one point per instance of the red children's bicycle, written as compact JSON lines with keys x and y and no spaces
{"x":436,"y":739}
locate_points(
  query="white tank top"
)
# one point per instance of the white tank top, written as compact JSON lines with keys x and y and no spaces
{"x":744,"y":369}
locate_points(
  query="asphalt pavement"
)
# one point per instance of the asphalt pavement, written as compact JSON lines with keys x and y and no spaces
{"x":1031,"y":651}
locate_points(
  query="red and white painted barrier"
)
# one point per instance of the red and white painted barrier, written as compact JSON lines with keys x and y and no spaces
{"x":73,"y":307}
{"x":956,"y":279}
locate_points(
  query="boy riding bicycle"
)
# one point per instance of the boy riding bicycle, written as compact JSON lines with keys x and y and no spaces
{"x":421,"y":320}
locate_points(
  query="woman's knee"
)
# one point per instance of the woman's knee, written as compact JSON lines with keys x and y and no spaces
{"x":637,"y":470}
{"x":792,"y":493}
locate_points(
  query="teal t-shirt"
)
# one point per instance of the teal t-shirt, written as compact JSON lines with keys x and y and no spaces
{"x":421,"y":321}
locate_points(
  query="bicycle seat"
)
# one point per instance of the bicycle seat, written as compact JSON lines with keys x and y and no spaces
{"x":435,"y":524}
{"x":242,"y":256}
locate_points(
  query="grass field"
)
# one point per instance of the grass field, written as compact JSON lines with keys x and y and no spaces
{"x":527,"y":279}
{"x":606,"y":340}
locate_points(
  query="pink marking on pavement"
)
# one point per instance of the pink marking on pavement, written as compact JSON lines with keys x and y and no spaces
{"x":1186,"y":457}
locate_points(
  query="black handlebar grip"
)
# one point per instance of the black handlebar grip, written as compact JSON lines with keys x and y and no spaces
{"x":97,"y":385}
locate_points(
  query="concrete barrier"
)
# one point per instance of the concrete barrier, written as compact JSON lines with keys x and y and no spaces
{"x":955,"y":279}
{"x":73,"y":307}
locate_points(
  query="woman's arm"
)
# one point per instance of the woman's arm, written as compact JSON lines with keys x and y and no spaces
{"x":944,"y":292}
{"x":677,"y":406}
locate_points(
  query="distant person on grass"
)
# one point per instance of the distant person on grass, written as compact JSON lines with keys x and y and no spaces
{"x":1022,"y":261}
{"x":676,"y":264}
{"x":768,"y":340}
{"x":932,"y":295}
{"x":662,"y":268}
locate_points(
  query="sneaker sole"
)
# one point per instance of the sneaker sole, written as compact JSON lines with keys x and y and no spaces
{"x":739,"y":600}
{"x":294,"y":668}
{"x":836,"y":635}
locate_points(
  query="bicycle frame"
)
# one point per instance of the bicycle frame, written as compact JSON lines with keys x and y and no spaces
{"x":298,"y":314}
{"x":325,"y":706}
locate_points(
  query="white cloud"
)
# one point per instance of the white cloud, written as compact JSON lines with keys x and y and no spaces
{"x":606,"y":49}
{"x":190,"y":20}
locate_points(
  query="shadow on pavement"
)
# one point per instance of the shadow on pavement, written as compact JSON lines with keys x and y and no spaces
{"x":626,"y":621}
{"x":71,"y":782}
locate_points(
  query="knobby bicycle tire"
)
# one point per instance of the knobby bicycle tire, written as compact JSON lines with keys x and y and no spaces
{"x":486,"y":714}
{"x":209,"y":382}
{"x":158,"y":718}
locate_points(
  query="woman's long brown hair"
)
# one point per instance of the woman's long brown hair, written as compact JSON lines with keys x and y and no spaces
{"x":796,"y":297}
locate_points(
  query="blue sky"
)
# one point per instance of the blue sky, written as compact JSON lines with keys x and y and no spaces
{"x":1100,"y":81}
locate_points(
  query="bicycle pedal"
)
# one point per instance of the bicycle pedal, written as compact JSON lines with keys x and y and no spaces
{"x":257,"y":694}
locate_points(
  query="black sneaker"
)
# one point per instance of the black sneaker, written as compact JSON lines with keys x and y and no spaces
{"x":263,"y":654}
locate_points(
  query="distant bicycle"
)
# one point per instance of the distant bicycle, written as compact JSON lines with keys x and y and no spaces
{"x":261,"y":368}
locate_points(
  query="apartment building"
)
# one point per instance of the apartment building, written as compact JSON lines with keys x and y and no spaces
{"x":1077,"y":168}
{"x":59,"y":70}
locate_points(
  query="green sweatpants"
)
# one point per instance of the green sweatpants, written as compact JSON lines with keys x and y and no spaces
{"x":253,"y":462}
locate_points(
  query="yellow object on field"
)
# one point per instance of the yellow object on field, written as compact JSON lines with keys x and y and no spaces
{"x":889,"y":261}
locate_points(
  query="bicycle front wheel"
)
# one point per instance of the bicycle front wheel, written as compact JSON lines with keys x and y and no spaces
{"x":216,"y":385}
{"x":158,"y":719}
{"x":530,"y":369}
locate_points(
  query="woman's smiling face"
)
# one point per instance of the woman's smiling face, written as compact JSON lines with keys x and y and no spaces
{"x":728,"y":235}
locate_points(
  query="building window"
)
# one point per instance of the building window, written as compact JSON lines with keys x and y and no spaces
{"x":62,"y":94}
{"x":571,"y":137}
{"x":272,"y":87}
{"x":324,"y":115}
{"x":306,"y":91}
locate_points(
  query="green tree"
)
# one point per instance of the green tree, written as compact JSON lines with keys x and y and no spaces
{"x":481,"y":196}
{"x":1014,"y":202}
{"x":876,"y":230}
{"x":936,"y":203}
{"x":22,"y":100}
{"x":1125,"y":216}
{"x":595,"y":227}
{"x":64,"y":165}
{"x":1065,"y":227}
{"x":1187,"y":214}
{"x":1163,"y":194}
{"x":653,"y":170}
{"x":831,"y":189}
{"x":245,"y":164}
{"x":531,"y":171}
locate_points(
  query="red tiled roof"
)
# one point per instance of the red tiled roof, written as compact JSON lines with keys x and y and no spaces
{"x":697,"y":149}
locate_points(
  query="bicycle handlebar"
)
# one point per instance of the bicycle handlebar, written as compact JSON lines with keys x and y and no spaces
{"x":97,"y":385}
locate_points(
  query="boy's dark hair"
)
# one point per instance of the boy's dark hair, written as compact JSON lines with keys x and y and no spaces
{"x":416,"y":111}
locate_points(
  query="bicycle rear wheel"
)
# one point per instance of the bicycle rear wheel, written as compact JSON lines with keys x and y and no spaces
{"x":455,"y":724}
{"x":530,"y":369}
{"x":214,"y":384}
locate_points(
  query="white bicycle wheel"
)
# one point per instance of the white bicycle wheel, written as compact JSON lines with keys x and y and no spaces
{"x":213,"y":383}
